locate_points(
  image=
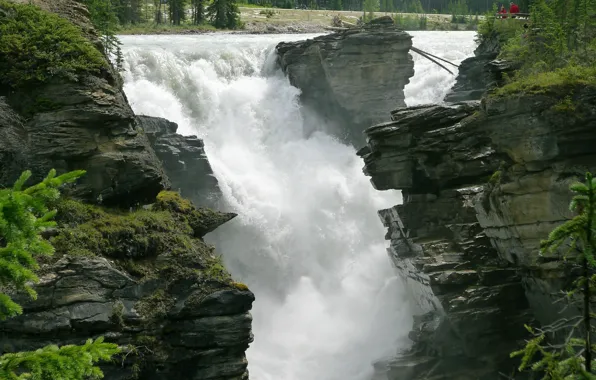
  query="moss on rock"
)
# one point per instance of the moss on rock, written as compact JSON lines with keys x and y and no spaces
{"x":36,"y":46}
{"x":156,"y":241}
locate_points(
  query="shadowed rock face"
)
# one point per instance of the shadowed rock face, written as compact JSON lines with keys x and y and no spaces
{"x":482,"y":185}
{"x":352,"y":77}
{"x":475,"y":75}
{"x":471,"y":303}
{"x":183,"y":159}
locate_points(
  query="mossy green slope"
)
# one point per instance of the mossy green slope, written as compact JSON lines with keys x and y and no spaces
{"x":171,"y":228}
{"x":36,"y":46}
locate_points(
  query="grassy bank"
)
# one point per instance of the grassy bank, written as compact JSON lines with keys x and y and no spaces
{"x":552,"y":52}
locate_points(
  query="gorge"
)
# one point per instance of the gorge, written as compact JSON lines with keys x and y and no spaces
{"x":465,"y":190}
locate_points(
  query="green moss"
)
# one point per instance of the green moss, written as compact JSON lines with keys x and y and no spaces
{"x":239,"y":285}
{"x":565,"y":105}
{"x":495,"y":178}
{"x":117,"y":314}
{"x":36,"y":46}
{"x":559,"y":81}
{"x":172,"y":201}
{"x":155,"y":306}
{"x":134,"y":239}
{"x":138,"y":234}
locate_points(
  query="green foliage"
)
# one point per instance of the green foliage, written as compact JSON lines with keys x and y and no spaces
{"x":557,"y":46}
{"x":104,"y":16}
{"x":411,"y":22}
{"x":558,"y":80}
{"x":577,"y":238}
{"x":459,"y":11}
{"x":495,"y":179}
{"x":24,"y":214}
{"x":52,"y":362}
{"x":36,"y":46}
{"x":224,"y":14}
{"x":123,"y":235}
{"x":369,"y":7}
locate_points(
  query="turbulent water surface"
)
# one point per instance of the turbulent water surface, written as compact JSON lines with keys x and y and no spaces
{"x":307,"y":240}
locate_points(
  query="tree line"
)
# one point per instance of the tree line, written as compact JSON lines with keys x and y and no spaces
{"x":467,"y":7}
{"x":114,"y":13}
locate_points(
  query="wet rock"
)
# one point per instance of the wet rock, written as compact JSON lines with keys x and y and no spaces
{"x":183,"y":159}
{"x":359,"y":74}
{"x":474,"y":76}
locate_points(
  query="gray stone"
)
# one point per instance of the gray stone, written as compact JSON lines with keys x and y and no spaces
{"x":357,"y":75}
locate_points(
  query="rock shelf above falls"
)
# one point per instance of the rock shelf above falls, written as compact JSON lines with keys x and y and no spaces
{"x":351,"y":78}
{"x":482,"y":183}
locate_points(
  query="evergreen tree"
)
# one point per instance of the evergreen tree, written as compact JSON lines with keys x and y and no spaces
{"x":198,"y":11}
{"x":337,"y":5}
{"x":573,"y":359}
{"x":104,"y":16}
{"x":224,"y":14}
{"x":177,"y":11}
{"x":24,"y":214}
{"x":370,"y":6}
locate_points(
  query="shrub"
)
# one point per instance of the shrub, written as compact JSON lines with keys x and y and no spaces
{"x":36,"y":45}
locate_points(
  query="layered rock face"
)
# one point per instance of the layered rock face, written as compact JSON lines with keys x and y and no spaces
{"x":175,"y":311}
{"x":184,"y":160}
{"x":353,"y":77}
{"x":138,"y":271}
{"x":483,"y":183}
{"x":87,"y":125}
{"x":475,"y":75}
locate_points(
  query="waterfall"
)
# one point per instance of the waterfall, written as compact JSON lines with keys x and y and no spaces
{"x":307,"y":239}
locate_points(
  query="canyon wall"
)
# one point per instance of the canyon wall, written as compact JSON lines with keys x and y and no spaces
{"x":130,"y":263}
{"x":483,"y":182}
{"x":351,"y":78}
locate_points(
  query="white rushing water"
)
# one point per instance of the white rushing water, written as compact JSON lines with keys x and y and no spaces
{"x":307,"y":239}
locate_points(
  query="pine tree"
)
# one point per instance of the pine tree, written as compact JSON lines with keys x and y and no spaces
{"x":24,"y":214}
{"x":573,"y":359}
{"x":224,"y":14}
{"x":104,"y":16}
{"x":198,"y":11}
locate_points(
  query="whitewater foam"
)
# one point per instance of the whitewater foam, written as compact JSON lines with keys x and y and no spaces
{"x":307,"y":239}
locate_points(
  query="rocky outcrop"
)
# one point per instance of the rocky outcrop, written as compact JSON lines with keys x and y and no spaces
{"x":475,"y":75}
{"x":85,"y":124}
{"x":176,"y":311}
{"x":184,"y":160}
{"x":357,"y":75}
{"x":136,"y":269}
{"x":482,"y":184}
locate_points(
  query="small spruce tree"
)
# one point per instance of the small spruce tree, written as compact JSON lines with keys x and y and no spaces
{"x":24,"y":214}
{"x":573,"y":358}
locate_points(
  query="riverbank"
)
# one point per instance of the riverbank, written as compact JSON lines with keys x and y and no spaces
{"x":291,"y":21}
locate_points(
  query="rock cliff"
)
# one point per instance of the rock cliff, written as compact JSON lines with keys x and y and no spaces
{"x":357,"y":75}
{"x":145,"y":280}
{"x":482,"y":183}
{"x":181,"y":155}
{"x":83,"y":124}
{"x":134,"y":269}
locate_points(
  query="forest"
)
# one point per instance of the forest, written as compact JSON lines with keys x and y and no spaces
{"x":225,"y":13}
